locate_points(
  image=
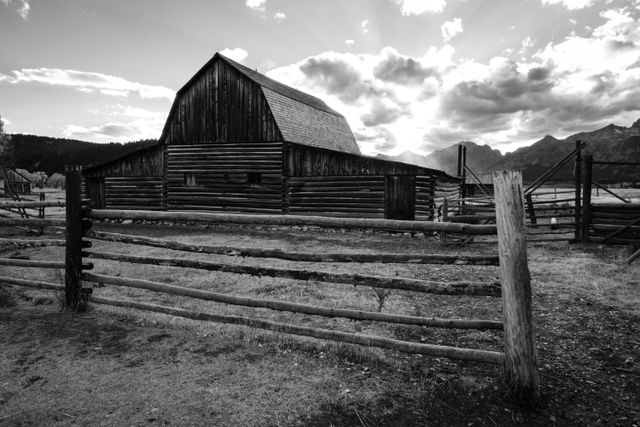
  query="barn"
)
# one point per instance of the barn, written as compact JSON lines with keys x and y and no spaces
{"x":13,"y":182}
{"x":238,"y":141}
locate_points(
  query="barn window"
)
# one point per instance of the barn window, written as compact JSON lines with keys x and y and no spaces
{"x":254,"y":178}
{"x":190,"y":179}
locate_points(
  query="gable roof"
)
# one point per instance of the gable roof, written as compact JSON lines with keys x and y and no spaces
{"x":301,"y":118}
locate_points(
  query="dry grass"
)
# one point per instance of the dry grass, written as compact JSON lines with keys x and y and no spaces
{"x":66,"y":368}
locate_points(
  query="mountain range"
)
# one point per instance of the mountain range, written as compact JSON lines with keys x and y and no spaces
{"x":611,"y":143}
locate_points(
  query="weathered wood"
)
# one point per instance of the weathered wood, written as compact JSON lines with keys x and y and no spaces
{"x":578,"y":196}
{"x":32,"y":243}
{"x":29,"y":205}
{"x":519,"y":338}
{"x":586,"y":198}
{"x":32,"y":222}
{"x":360,"y":339}
{"x":290,"y":220}
{"x":73,"y":245}
{"x":400,"y":283}
{"x":293,"y":307}
{"x":31,"y":263}
{"x":30,"y":283}
{"x":295,"y":256}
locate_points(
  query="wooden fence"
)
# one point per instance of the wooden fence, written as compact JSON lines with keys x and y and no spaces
{"x":518,"y":358}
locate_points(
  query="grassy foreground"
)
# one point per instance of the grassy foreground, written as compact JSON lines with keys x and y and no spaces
{"x":117,"y":367}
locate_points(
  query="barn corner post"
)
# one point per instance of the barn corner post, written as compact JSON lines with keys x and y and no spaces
{"x":587,"y":182}
{"x":520,"y":359}
{"x":73,"y":248}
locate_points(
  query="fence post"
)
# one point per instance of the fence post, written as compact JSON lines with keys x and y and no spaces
{"x":73,"y":249}
{"x":578,"y":175}
{"x":587,"y":181}
{"x":520,"y":362}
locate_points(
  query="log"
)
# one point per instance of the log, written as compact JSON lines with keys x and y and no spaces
{"x":292,"y":307}
{"x":399,"y":283}
{"x":295,"y":256}
{"x":360,"y":339}
{"x":32,"y":222}
{"x":31,"y":263}
{"x":29,"y":205}
{"x":31,"y":283}
{"x":521,"y":359}
{"x":73,"y":237}
{"x":32,"y":243}
{"x":290,"y":220}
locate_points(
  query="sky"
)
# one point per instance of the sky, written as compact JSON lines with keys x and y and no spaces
{"x":415,"y":75}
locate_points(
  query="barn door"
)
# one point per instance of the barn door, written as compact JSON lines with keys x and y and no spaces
{"x":400,"y":197}
{"x":95,"y":192}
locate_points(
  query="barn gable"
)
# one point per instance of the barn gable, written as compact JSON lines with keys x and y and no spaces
{"x":228,"y":102}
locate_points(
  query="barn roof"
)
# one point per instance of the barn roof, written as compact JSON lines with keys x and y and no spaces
{"x":301,"y":118}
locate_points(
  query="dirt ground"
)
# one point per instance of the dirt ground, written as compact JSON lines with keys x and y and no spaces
{"x":117,"y":367}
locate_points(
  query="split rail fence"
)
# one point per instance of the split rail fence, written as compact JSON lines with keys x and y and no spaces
{"x":518,"y":359}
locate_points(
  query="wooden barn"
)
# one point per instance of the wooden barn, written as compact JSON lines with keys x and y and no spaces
{"x":13,"y":182}
{"x":238,"y":141}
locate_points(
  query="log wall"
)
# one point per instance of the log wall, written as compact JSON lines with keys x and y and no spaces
{"x":133,"y":192}
{"x":234,"y":177}
{"x":425,"y":187}
{"x":341,"y":196}
{"x":619,"y":218}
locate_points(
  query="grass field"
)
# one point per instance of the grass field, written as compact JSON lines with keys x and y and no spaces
{"x":113,"y":366}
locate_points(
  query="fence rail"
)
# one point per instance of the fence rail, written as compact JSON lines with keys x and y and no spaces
{"x":518,"y":358}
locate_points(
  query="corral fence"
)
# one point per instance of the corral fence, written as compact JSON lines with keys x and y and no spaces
{"x":518,"y":359}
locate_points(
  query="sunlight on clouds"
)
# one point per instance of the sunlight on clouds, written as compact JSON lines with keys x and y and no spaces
{"x":279,"y":16}
{"x":257,"y":5}
{"x":23,"y":7}
{"x":418,"y":7}
{"x":124,"y":123}
{"x":237,"y":54}
{"x":450,"y":29}
{"x":87,"y":82}
{"x":570,"y":4}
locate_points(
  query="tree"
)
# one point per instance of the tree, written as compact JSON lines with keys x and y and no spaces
{"x":6,"y":148}
{"x":56,"y":181}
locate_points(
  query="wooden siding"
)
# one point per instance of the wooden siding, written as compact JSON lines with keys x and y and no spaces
{"x":340,"y":196}
{"x":146,"y":162}
{"x":311,"y":161}
{"x":133,"y":192}
{"x":218,"y":177}
{"x":607,"y":218}
{"x":425,"y":188}
{"x":221,"y":105}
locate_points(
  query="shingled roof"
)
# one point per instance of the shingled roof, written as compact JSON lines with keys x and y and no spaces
{"x":301,"y":118}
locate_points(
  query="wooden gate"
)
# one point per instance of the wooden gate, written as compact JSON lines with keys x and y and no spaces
{"x":400,"y":197}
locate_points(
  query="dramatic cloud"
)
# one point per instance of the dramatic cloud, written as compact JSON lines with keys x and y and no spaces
{"x":418,"y":7}
{"x":450,"y":29}
{"x":570,"y":4}
{"x":22,"y":7}
{"x":87,"y":82}
{"x":396,"y":102}
{"x":123,"y":124}
{"x":237,"y":54}
{"x":257,"y":5}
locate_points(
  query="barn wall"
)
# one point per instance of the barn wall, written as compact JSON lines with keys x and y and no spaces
{"x":147,"y":162}
{"x":425,"y":188}
{"x":234,"y":177}
{"x":133,"y":193}
{"x":343,"y":196}
{"x":221,"y":105}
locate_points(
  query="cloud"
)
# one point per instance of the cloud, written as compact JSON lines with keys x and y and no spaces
{"x":418,"y":7}
{"x":365,"y":26}
{"x":124,"y":123}
{"x":87,"y":82}
{"x":279,"y":16}
{"x":349,"y":42}
{"x":401,"y":69}
{"x":237,"y":54}
{"x":257,"y":5}
{"x":450,"y":29}
{"x":570,"y":4}
{"x":23,"y":7}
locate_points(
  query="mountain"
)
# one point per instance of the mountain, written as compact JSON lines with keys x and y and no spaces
{"x":611,"y":143}
{"x":50,"y":155}
{"x":479,"y":157}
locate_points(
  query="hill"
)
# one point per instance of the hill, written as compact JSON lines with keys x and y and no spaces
{"x":50,"y":155}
